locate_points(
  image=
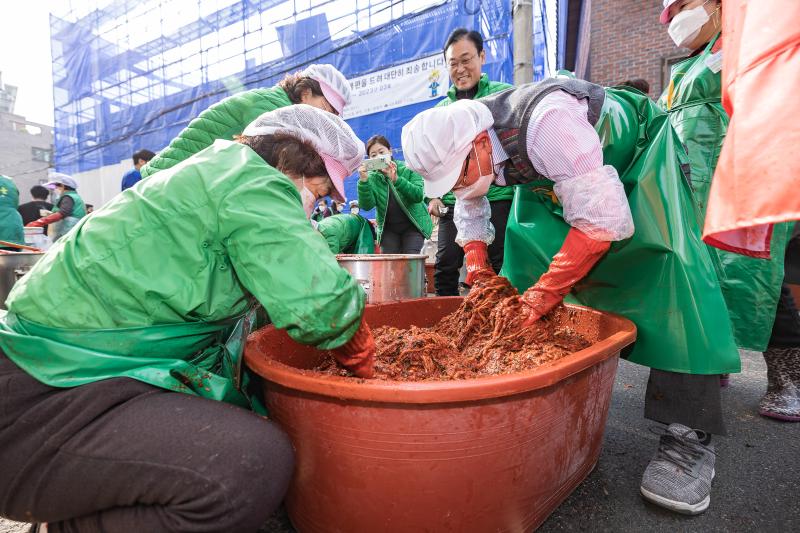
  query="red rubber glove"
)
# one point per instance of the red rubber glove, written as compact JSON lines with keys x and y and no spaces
{"x":49,"y":219}
{"x":358,"y":354}
{"x":476,"y":254}
{"x":574,"y":260}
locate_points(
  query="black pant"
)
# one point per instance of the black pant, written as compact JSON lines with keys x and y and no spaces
{"x":123,"y":456}
{"x":786,"y":329}
{"x":404,"y":239}
{"x":693,"y":400}
{"x":450,"y":256}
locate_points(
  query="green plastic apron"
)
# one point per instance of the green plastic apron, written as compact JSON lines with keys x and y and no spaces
{"x":662,"y":278}
{"x":750,"y":286}
{"x":199,"y":358}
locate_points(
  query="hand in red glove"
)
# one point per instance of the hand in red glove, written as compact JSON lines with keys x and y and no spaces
{"x":358,"y":354}
{"x":476,"y":254}
{"x":574,"y":260}
{"x":49,"y":219}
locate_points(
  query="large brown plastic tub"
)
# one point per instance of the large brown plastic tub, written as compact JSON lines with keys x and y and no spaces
{"x":491,"y":454}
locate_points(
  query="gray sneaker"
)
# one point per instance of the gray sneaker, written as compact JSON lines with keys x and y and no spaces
{"x":679,"y":476}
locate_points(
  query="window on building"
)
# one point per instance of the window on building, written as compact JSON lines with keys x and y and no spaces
{"x":42,"y":154}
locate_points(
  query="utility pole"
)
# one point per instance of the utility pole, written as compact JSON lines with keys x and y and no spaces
{"x":522,"y":23}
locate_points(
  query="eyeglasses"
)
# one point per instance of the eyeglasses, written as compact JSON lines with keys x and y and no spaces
{"x":454,"y":64}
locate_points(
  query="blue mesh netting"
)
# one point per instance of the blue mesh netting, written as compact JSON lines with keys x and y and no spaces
{"x":130,"y":74}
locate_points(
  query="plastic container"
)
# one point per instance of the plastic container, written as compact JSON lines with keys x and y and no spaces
{"x":492,"y":454}
{"x":35,"y":237}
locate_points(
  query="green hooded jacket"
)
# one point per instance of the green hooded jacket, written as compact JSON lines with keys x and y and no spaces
{"x":223,"y":120}
{"x":485,"y":88}
{"x":10,"y":219}
{"x":751,"y":286}
{"x":159,"y":285}
{"x":408,"y":189}
{"x":347,"y":234}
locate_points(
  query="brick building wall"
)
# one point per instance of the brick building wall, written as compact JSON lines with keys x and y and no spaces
{"x":627,"y":41}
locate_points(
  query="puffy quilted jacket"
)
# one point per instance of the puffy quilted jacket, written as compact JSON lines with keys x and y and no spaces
{"x":222,"y":120}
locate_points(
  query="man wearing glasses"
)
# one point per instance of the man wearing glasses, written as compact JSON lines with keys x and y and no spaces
{"x":464,"y":56}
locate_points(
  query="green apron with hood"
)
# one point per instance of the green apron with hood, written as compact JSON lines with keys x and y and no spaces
{"x":662,"y":278}
{"x":160,"y":285}
{"x":750,"y":286}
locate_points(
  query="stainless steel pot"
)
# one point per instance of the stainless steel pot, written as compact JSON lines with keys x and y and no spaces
{"x":12,"y":267}
{"x":387,"y":277}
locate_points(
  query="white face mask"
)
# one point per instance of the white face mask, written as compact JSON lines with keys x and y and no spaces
{"x":308,"y":199}
{"x":354,"y":210}
{"x":686,"y":25}
{"x":476,"y":190}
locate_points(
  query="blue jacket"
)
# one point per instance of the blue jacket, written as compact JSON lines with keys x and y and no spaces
{"x":130,"y":178}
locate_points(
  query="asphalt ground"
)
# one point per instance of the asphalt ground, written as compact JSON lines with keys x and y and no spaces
{"x":757,"y":483}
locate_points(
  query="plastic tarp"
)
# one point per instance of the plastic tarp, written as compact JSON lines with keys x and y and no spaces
{"x":662,"y":278}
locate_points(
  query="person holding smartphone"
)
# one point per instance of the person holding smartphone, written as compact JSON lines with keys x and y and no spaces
{"x":395,"y":192}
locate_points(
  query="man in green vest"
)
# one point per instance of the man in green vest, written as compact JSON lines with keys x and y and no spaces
{"x":69,"y":206}
{"x":465,"y":57}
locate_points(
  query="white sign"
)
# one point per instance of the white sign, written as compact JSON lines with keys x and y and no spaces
{"x":406,"y":84}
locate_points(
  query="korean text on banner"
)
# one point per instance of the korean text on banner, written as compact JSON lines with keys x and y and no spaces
{"x":405,"y":84}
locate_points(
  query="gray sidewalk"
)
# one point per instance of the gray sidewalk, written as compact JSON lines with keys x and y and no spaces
{"x":757,"y":483}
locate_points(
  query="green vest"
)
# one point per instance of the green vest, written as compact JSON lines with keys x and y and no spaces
{"x":751,"y":286}
{"x":662,"y":278}
{"x":67,"y":223}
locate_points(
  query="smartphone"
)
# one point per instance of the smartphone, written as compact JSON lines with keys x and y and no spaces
{"x":377,"y":163}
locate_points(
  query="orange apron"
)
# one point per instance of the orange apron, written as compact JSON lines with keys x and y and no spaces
{"x":757,"y":179}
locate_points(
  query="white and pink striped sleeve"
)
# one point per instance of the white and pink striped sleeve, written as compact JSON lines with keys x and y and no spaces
{"x":560,"y":141}
{"x":564,"y":147}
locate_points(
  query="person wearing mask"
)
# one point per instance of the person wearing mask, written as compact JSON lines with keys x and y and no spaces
{"x":752,"y":286}
{"x":133,"y":176}
{"x":465,"y":57}
{"x":354,"y":207}
{"x":32,"y":210}
{"x":69,"y":206}
{"x":10,"y":219}
{"x":396,"y":194}
{"x":337,"y":207}
{"x":610,"y":219}
{"x":318,"y":85}
{"x":122,"y":409}
{"x":322,"y":211}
